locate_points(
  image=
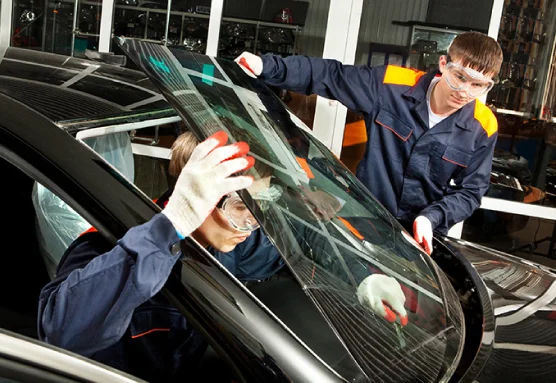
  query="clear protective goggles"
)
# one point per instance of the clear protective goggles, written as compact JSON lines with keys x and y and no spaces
{"x":466,"y":79}
{"x":239,"y":216}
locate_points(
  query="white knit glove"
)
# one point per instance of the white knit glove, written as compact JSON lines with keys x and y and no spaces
{"x":422,"y":232}
{"x":384,"y":296}
{"x":205,"y":179}
{"x":250,"y":63}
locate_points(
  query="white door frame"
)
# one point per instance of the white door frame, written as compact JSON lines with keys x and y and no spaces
{"x":342,"y":33}
{"x":106,"y":22}
{"x":213,"y":38}
{"x":5,"y":25}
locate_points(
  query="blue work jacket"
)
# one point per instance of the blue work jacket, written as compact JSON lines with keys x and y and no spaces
{"x":105,"y":304}
{"x":440,"y":173}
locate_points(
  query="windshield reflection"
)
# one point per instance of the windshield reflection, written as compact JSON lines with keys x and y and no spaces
{"x":330,"y":230}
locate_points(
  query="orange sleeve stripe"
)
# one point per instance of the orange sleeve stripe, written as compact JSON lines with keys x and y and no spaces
{"x":305,"y":166}
{"x":90,"y":230}
{"x":148,"y":332}
{"x":353,"y":230}
{"x":397,"y":75}
{"x":486,"y":118}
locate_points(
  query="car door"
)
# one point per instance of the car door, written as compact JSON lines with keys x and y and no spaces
{"x":23,"y":360}
{"x":244,"y":333}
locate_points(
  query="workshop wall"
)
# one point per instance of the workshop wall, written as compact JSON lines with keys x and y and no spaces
{"x":376,"y":23}
{"x":311,"y":40}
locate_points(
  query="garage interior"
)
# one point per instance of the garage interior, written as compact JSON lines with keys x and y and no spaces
{"x":396,"y":32}
{"x":518,"y":212}
{"x":411,"y":34}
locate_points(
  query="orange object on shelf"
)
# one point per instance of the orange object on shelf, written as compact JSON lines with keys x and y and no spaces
{"x":353,"y":147}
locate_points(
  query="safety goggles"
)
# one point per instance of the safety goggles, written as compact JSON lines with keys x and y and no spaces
{"x":239,"y":216}
{"x":466,"y":79}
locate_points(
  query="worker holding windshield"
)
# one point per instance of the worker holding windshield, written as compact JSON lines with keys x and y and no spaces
{"x":430,"y":141}
{"x":105,"y":301}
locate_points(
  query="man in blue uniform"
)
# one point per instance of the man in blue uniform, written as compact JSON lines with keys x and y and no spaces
{"x":105,"y":302}
{"x":430,"y":142}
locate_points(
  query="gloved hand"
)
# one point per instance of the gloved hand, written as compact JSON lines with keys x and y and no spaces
{"x":384,"y":296}
{"x":422,"y":232}
{"x":250,"y":63}
{"x":205,"y":179}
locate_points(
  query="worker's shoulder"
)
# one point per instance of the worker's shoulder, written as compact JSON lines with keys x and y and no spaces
{"x":485,"y":118}
{"x":397,"y":75}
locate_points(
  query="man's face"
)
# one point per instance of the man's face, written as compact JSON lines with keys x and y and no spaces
{"x":454,"y":75}
{"x":217,"y":232}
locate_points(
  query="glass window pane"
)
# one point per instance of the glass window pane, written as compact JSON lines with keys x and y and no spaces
{"x":146,"y":20}
{"x":329,"y":256}
{"x":28,"y":23}
{"x":526,"y":36}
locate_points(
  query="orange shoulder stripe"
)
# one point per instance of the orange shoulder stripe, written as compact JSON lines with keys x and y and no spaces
{"x":397,"y":75}
{"x":486,"y":118}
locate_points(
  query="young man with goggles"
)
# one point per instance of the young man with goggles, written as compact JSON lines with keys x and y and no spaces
{"x":430,"y":142}
{"x":461,"y":78}
{"x":104,"y":302}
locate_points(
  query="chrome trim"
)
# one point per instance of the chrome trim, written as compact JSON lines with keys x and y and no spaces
{"x":63,"y":362}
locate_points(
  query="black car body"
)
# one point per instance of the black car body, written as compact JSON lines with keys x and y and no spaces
{"x":475,"y":314}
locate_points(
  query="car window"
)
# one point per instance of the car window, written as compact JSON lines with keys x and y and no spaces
{"x":37,"y":230}
{"x":330,"y":230}
{"x":132,"y":154}
{"x":141,"y":155}
{"x":58,"y":225}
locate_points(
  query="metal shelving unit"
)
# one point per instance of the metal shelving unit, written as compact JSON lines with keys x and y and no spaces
{"x":526,"y":36}
{"x":185,"y":17}
{"x":71,"y":26}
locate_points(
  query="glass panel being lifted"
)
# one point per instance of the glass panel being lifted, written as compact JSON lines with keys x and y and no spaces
{"x":330,"y":230}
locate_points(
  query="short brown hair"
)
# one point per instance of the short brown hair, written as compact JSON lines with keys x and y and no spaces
{"x":477,"y":51}
{"x":184,"y":145}
{"x":182,"y":149}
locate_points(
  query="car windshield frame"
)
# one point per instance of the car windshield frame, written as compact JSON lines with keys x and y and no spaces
{"x":330,"y":247}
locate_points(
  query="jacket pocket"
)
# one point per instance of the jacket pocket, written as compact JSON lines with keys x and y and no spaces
{"x":157,"y":333}
{"x":447,"y":162}
{"x":401,"y":129}
{"x":457,"y":156}
{"x":152,"y":319}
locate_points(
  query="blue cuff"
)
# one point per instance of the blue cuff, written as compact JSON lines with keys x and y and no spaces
{"x":162,"y":231}
{"x":434,"y":214}
{"x":269,"y":66}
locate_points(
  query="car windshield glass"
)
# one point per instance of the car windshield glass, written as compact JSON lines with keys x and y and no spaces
{"x":330,"y":230}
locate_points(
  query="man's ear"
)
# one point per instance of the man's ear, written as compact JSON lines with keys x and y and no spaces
{"x":442,"y":61}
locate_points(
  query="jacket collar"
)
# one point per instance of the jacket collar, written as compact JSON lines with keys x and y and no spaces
{"x":418,"y":92}
{"x":463,"y":118}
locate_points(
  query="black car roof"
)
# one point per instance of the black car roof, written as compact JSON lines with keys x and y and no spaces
{"x":113,"y":205}
{"x":77,"y":92}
